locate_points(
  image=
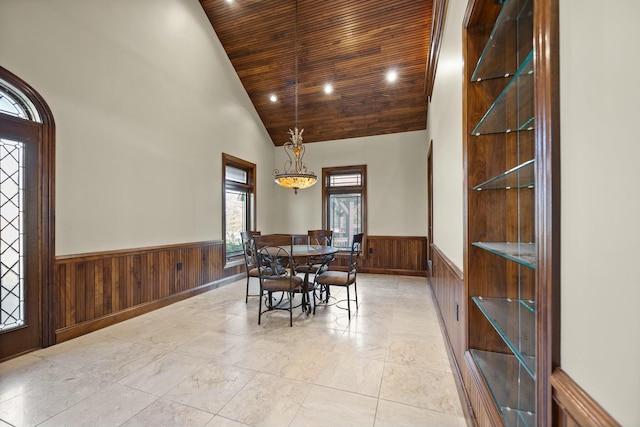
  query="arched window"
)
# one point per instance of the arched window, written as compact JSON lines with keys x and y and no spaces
{"x":14,"y":104}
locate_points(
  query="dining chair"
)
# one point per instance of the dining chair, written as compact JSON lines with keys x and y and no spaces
{"x":302,"y":239}
{"x":249,"y":258}
{"x":319,"y":264}
{"x":343,"y":278}
{"x":276,"y":273}
{"x":320,"y":237}
{"x":316,"y":265}
{"x":299,"y":239}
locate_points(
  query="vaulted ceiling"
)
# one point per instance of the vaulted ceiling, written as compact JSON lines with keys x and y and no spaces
{"x":350,"y":44}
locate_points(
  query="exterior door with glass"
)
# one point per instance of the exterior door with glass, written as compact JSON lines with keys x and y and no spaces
{"x":20,"y":288}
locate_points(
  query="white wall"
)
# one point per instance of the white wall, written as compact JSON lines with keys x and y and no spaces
{"x":145,"y":101}
{"x":396,"y":184}
{"x":599,"y":93}
{"x":445,"y":129}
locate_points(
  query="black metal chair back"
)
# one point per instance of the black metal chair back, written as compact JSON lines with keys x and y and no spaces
{"x":325,"y":280}
{"x":277,"y":273}
{"x":250,"y":260}
{"x":356,"y":250}
{"x":320,"y":237}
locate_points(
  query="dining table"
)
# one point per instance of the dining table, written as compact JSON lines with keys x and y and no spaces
{"x":302,"y":254}
{"x":306,"y":251}
{"x":314,"y":253}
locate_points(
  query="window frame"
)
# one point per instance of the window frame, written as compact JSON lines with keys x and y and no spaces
{"x":251,"y":189}
{"x":328,"y":191}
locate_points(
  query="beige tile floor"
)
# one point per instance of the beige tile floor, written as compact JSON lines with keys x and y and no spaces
{"x":206,"y":362}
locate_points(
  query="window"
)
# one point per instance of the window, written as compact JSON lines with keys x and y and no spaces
{"x":238,"y":208}
{"x":344,"y":203}
{"x":13,"y":104}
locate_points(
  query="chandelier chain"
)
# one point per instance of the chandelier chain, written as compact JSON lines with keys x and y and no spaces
{"x":295,"y":173}
{"x":295,"y":37}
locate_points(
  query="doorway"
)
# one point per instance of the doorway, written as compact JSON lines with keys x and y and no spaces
{"x":26,"y":218}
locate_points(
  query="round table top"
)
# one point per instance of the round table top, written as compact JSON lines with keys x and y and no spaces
{"x":310,"y":250}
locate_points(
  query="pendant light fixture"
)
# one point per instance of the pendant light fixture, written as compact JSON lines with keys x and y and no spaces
{"x":295,"y":173}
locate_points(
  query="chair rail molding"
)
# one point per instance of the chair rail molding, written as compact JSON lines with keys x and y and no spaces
{"x":575,"y":406}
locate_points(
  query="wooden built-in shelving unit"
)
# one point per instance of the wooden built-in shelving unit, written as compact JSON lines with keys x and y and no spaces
{"x":508,"y":357}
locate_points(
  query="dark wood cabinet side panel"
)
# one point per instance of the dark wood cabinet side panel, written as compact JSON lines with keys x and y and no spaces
{"x":98,"y":289}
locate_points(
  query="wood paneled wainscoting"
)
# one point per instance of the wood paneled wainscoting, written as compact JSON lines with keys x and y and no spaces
{"x":402,"y":255}
{"x":448,"y":288}
{"x":95,"y":290}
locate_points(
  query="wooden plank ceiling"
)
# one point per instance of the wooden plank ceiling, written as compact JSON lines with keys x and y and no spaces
{"x":348,"y":43}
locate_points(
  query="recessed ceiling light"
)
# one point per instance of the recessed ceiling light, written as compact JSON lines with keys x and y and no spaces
{"x":392,"y":76}
{"x":229,"y":1}
{"x":272,"y":97}
{"x":328,"y":88}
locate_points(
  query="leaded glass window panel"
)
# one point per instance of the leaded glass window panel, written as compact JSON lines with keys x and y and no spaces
{"x":11,"y":234}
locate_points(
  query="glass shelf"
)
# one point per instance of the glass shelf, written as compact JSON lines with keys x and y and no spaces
{"x":513,"y":109}
{"x":515,"y":321}
{"x":522,"y":176}
{"x":512,"y":390}
{"x":522,"y":253}
{"x":515,"y":418}
{"x":512,"y":28}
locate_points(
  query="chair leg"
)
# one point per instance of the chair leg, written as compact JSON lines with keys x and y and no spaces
{"x":260,"y":307}
{"x":348,"y":303}
{"x":290,"y":311}
{"x":313,"y":295}
{"x":306,"y":304}
{"x":355,"y":289}
{"x":246,"y":298}
{"x":318,"y":295}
